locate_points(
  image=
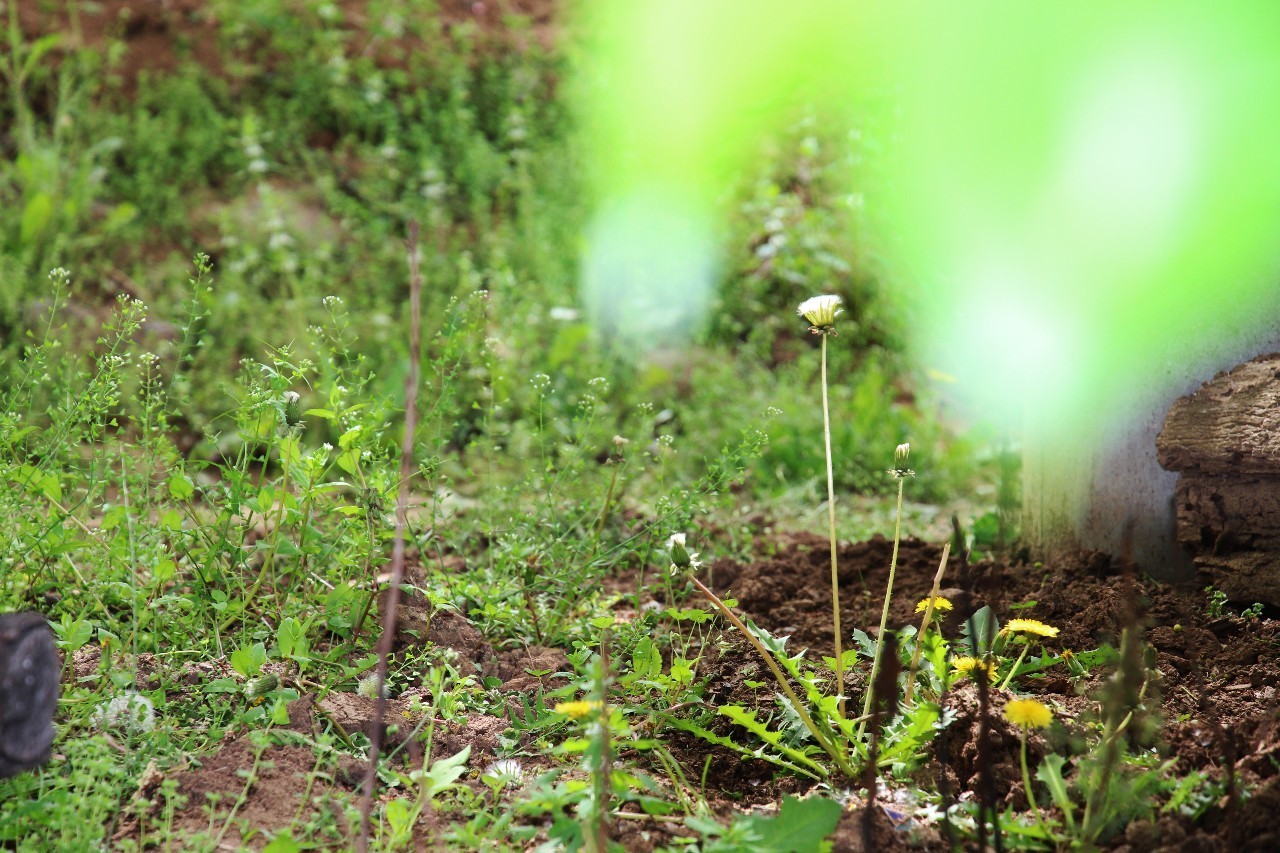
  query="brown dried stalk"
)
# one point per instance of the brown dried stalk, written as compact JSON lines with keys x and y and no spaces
{"x":924,"y":623}
{"x":397,"y":551}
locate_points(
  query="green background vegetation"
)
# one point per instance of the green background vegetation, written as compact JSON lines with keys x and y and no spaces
{"x":200,"y":411}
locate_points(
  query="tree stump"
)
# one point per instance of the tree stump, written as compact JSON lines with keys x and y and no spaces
{"x":29,"y":676}
{"x":1224,"y":441}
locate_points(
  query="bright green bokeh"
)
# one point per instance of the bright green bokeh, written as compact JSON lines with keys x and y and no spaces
{"x":1082,"y":202}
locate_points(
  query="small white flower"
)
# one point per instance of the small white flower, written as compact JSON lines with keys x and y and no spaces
{"x":821,"y":311}
{"x":562,"y":314}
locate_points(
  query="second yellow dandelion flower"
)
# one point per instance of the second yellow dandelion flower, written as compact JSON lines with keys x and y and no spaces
{"x":940,"y":605}
{"x":579,"y":709}
{"x":1028,"y":713}
{"x":1030,"y":626}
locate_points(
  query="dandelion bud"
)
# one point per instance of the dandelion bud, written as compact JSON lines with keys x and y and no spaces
{"x":258,"y":688}
{"x":900,"y":468}
{"x":821,"y":311}
{"x":679,"y":554}
{"x":368,"y":687}
{"x":292,"y":409}
{"x":683,"y":560}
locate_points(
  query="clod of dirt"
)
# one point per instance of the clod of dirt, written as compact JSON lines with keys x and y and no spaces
{"x":479,"y":731}
{"x":353,"y":713}
{"x":277,"y":785}
{"x":529,"y":669}
{"x":418,"y":623}
{"x":956,"y":747}
{"x":793,"y":587}
{"x":886,"y":836}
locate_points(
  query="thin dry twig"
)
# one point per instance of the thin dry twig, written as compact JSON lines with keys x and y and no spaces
{"x":397,"y":552}
{"x":924,"y":623}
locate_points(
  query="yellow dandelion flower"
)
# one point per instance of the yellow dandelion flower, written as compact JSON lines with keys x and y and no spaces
{"x":1028,"y":713}
{"x":940,"y":604}
{"x":1030,"y":626}
{"x":579,"y":709}
{"x":967,"y":666}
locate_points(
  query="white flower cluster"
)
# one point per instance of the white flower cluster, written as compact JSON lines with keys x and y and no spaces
{"x":130,"y":712}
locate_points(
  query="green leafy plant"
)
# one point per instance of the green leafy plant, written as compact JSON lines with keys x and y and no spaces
{"x":1253,"y":611}
{"x":800,"y":826}
{"x":1217,"y":601}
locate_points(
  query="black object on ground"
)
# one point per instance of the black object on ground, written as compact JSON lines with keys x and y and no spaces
{"x":29,"y":681}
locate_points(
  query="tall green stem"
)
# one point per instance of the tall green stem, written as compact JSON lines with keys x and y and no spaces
{"x":1016,"y":664}
{"x":831,"y":524}
{"x":1026,"y":783}
{"x":884,"y":612}
{"x":1094,"y":821}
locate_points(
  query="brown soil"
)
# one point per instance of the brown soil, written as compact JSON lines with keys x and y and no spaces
{"x":1217,"y":686}
{"x":1217,"y":692}
{"x":158,"y":36}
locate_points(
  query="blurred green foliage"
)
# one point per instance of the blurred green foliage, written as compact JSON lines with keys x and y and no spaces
{"x":297,"y":162}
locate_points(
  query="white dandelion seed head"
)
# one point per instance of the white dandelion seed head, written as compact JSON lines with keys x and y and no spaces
{"x":821,"y":311}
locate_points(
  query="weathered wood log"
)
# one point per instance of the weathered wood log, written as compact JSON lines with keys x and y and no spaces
{"x":1218,"y":513}
{"x":1224,"y":440}
{"x":1229,"y":425}
{"x":29,"y":680}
